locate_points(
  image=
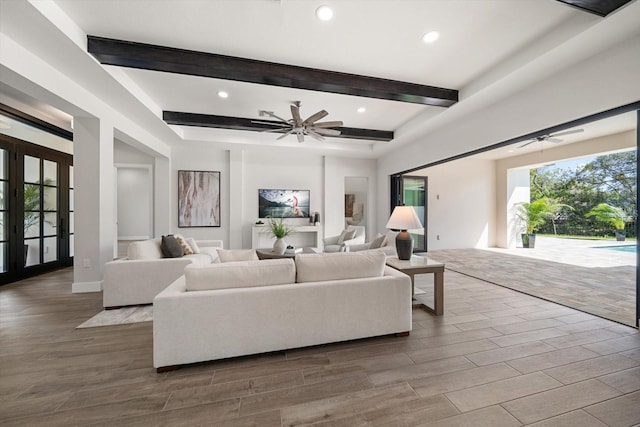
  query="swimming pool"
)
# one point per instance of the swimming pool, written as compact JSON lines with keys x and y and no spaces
{"x":619,"y":248}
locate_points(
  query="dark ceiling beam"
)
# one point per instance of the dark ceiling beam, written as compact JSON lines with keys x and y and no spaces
{"x":180,"y":61}
{"x":597,"y":7}
{"x":259,"y":125}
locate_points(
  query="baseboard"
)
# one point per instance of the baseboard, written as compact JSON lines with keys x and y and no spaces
{"x":82,"y":287}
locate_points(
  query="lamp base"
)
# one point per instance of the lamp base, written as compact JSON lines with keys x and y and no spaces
{"x":404,"y":245}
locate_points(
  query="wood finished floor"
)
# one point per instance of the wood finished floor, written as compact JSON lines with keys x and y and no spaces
{"x":496,"y":358}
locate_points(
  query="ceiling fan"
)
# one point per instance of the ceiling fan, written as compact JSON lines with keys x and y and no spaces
{"x":299,"y":127}
{"x":551,"y":137}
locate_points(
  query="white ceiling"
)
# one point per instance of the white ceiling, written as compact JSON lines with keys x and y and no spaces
{"x":481,"y":41}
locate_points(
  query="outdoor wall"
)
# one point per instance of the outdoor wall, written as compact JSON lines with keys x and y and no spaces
{"x":460,"y":208}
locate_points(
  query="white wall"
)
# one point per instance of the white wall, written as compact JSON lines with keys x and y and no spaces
{"x":243,"y":172}
{"x":134,"y":201}
{"x":461,"y":204}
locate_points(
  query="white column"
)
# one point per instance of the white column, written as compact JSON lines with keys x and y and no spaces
{"x":94,"y":202}
{"x":162,"y":191}
{"x":518,"y":191}
{"x":236,"y":205}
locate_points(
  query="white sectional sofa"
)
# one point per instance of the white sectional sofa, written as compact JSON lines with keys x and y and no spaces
{"x":140,"y":276}
{"x":242,"y":308}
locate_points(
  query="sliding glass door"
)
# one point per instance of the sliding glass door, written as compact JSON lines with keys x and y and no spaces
{"x":412,"y":191}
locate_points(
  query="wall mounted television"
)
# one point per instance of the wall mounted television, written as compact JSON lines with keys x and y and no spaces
{"x":275,"y":203}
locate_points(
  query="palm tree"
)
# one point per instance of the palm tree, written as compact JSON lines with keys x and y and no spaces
{"x":533,"y":215}
{"x":612,"y":215}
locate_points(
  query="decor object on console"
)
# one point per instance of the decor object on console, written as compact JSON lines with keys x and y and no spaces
{"x":275,"y":203}
{"x":279,"y":230}
{"x":352,"y":235}
{"x":326,"y":297}
{"x":404,"y":218}
{"x":198,"y":199}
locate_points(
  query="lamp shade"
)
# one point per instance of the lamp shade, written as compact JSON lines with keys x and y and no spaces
{"x":404,"y":218}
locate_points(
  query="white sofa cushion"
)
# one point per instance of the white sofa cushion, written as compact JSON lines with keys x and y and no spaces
{"x":230,"y":255}
{"x":239,"y":274}
{"x":145,"y":249}
{"x":338,"y":266}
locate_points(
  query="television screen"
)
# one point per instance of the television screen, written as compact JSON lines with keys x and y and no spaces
{"x":283,"y":203}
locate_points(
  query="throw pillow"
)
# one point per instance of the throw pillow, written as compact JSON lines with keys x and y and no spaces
{"x":194,"y":246}
{"x":170,"y":247}
{"x":230,"y":255}
{"x":378,"y":242}
{"x":186,"y":248}
{"x":346,"y":235}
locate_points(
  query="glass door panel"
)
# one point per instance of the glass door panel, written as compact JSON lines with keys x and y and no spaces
{"x":414,"y":189}
{"x":4,"y":211}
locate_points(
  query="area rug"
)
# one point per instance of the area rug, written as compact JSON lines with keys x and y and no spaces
{"x":120,"y":316}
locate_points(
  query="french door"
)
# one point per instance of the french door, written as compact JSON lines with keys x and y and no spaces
{"x":36,"y":196}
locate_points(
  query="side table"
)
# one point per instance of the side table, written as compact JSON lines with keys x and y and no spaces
{"x":423,"y":265}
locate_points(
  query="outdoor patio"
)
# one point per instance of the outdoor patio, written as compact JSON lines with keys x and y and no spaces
{"x":580,"y":274}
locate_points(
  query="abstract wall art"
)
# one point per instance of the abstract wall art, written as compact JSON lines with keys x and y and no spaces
{"x":198,"y":199}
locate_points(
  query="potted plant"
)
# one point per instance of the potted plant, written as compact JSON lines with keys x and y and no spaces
{"x":279,"y":229}
{"x":612,"y":215}
{"x":533,"y":215}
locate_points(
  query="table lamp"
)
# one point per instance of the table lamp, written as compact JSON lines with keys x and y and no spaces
{"x":404,"y":218}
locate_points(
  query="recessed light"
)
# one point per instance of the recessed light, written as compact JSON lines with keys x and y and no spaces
{"x":324,"y":13}
{"x":431,"y":36}
{"x":361,"y":110}
{"x":223,"y":94}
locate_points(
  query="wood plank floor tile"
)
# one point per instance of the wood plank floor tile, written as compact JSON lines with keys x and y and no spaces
{"x":529,"y":336}
{"x":295,"y":395}
{"x":503,"y":354}
{"x":345,"y":405}
{"x":199,"y":395}
{"x":494,"y":416}
{"x":422,"y":370}
{"x":501,"y":391}
{"x":459,"y":380}
{"x":554,"y":402}
{"x":615,"y":345}
{"x":435,"y":353}
{"x":582,"y":338}
{"x":591,"y":368}
{"x":551,"y":359}
{"x":577,"y":418}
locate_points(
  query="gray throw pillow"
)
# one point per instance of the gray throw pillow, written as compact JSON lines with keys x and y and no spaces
{"x":170,"y":247}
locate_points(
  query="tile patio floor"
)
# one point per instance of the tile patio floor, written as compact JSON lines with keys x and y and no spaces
{"x":566,"y":271}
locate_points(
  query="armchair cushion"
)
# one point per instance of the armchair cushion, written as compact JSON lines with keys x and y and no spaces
{"x":378,"y":242}
{"x":346,"y":235}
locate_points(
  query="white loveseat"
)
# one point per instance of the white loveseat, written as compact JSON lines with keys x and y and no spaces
{"x":140,"y":276}
{"x":242,"y":308}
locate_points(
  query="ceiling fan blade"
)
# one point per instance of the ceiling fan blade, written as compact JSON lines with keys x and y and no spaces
{"x":328,"y":124}
{"x":315,"y":117}
{"x":530,"y":142}
{"x":556,"y":140}
{"x":315,"y":135}
{"x":295,"y":113}
{"x":270,"y":114}
{"x":276,"y":130}
{"x":286,"y":134}
{"x":327,"y":132}
{"x":569,"y":132}
{"x":300,"y":137}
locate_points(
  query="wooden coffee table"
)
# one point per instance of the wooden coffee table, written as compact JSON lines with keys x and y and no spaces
{"x":268,"y":253}
{"x":423,"y":265}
